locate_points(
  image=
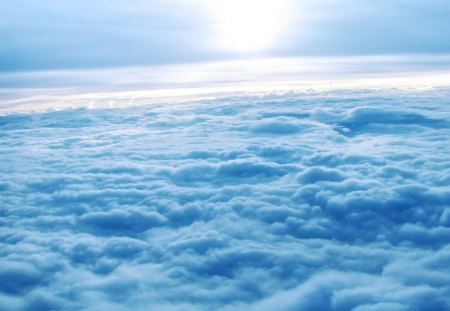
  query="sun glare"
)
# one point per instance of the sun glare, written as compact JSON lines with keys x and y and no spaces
{"x":249,"y":25}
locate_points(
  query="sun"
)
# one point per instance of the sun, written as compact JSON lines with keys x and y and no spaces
{"x":249,"y":25}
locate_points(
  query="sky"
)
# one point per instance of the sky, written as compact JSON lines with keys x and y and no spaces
{"x":47,"y":34}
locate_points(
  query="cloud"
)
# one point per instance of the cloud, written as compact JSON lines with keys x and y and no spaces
{"x":316,"y":174}
{"x":333,"y":200}
{"x":18,"y":278}
{"x":122,"y":220}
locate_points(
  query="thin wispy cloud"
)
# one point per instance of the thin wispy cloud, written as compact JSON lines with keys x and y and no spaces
{"x":67,"y":34}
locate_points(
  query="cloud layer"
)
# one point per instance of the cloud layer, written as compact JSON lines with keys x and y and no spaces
{"x":336,"y":200}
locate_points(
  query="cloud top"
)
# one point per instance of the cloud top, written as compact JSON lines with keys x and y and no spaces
{"x":336,"y":201}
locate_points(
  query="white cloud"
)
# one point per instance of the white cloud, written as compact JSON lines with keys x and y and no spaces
{"x":333,"y":201}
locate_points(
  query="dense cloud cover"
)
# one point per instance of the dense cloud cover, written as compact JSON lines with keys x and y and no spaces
{"x":298,"y":201}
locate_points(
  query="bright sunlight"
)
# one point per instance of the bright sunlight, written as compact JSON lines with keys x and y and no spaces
{"x":249,"y":25}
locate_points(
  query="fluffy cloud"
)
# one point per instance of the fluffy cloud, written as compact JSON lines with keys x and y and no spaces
{"x":309,"y":201}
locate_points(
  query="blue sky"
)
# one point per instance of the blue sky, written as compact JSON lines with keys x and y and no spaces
{"x":65,"y":34}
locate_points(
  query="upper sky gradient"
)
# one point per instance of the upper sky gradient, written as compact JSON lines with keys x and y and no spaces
{"x":51,"y":34}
